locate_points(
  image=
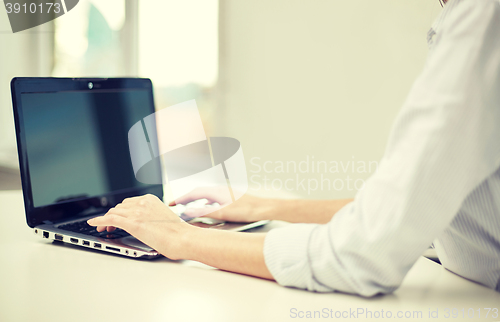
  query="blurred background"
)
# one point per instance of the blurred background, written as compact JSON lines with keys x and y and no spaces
{"x":309,"y":88}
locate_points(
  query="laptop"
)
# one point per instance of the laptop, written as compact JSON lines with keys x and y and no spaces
{"x":74,"y":158}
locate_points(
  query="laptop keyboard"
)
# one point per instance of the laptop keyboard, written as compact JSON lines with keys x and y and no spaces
{"x":82,"y":227}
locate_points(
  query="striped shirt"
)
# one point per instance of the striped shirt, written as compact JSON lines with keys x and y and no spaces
{"x":438,"y":181}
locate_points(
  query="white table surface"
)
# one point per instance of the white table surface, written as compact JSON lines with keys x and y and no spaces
{"x":42,"y":281}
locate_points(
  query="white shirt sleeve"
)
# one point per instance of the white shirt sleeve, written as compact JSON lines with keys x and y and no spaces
{"x":444,"y":143}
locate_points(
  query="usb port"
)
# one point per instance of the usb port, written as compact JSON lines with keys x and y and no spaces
{"x":45,"y":234}
{"x":74,"y":240}
{"x":58,"y":237}
{"x":97,"y":245}
{"x":85,"y":243}
{"x":113,"y":249}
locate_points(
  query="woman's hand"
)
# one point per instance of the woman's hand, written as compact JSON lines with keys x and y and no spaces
{"x":148,"y":219}
{"x":250,"y":208}
{"x":246,"y":209}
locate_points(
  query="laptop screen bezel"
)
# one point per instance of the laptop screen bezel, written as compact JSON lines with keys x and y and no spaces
{"x":54,"y":213}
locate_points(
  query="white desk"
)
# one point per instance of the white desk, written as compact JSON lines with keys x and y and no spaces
{"x":41,"y":281}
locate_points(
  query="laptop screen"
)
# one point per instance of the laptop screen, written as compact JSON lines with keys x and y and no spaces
{"x":74,"y":149}
{"x":77,"y":144}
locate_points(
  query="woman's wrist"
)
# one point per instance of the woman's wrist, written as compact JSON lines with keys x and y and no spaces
{"x":268,"y":209}
{"x":184,"y":238}
{"x":178,"y":244}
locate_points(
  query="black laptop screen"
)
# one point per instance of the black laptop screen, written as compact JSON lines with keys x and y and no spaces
{"x":77,"y":142}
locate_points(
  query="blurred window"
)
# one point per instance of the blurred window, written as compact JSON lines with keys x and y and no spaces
{"x":89,"y":40}
{"x":178,"y":50}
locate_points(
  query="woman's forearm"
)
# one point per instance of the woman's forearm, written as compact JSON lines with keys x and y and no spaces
{"x":252,"y":208}
{"x":303,"y":211}
{"x":236,"y":252}
{"x":244,"y":253}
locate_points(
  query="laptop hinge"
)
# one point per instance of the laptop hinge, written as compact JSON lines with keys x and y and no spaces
{"x":48,"y":222}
